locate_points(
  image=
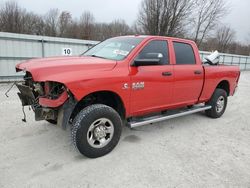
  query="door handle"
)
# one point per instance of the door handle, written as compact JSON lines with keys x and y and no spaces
{"x":167,"y":74}
{"x":197,"y":72}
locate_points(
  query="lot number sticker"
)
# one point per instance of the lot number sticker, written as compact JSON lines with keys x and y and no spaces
{"x":66,"y":51}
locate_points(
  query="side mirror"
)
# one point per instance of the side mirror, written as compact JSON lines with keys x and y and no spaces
{"x":148,"y":59}
{"x":145,"y":62}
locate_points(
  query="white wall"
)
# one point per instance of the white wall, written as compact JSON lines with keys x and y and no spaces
{"x":18,"y":47}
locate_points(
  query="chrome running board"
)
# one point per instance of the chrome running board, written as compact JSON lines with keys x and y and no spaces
{"x":155,"y":119}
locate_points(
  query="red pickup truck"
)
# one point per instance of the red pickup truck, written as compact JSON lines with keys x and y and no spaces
{"x":132,"y":80}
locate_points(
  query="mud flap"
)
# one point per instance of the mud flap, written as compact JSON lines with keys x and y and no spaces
{"x":65,"y":113}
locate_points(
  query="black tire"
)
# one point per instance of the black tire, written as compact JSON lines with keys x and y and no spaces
{"x":84,"y":121}
{"x":215,"y":111}
{"x":54,"y":122}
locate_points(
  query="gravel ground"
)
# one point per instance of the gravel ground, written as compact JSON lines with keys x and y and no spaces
{"x":191,"y":151}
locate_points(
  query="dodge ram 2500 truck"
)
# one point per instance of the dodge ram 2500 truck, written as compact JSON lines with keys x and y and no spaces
{"x":132,"y":80}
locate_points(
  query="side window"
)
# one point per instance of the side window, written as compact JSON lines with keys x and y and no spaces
{"x":184,"y":54}
{"x":155,"y":50}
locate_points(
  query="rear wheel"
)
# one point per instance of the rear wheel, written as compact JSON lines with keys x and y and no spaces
{"x":96,"y":130}
{"x":218,"y":102}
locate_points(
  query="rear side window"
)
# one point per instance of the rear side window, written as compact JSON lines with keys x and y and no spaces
{"x":155,"y":49}
{"x":184,"y":54}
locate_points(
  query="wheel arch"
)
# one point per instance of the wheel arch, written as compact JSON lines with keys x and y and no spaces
{"x":225,"y":85}
{"x":105,"y":97}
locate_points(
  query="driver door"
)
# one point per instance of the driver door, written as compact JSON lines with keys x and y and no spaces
{"x":151,"y":84}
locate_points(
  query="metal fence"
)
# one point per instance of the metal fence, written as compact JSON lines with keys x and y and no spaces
{"x":231,"y":59}
{"x":15,"y":48}
{"x":18,"y":47}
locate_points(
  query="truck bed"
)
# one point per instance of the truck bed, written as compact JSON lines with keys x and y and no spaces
{"x":213,"y":75}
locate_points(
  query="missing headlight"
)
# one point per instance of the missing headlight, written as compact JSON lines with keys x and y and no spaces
{"x":54,"y":89}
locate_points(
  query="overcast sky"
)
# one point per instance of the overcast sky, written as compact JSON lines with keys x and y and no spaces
{"x":108,"y":10}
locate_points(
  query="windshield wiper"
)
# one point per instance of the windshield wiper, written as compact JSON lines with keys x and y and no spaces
{"x":98,"y":56}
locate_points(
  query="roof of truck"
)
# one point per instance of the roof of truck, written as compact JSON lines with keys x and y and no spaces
{"x":155,"y":36}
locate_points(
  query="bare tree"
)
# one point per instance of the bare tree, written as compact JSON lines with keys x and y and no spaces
{"x":86,"y":25}
{"x":11,"y":17}
{"x":233,"y":47}
{"x":103,"y":31}
{"x":119,"y":27}
{"x":238,"y":48}
{"x":206,"y":15}
{"x":164,"y":17}
{"x":64,"y":24}
{"x":32,"y":24}
{"x":224,"y":35}
{"x":74,"y":29}
{"x":51,"y":22}
{"x":136,"y":29}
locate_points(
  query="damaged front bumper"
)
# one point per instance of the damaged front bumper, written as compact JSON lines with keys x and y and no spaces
{"x":58,"y":109}
{"x":26,"y":95}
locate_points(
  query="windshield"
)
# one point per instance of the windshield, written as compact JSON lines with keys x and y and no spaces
{"x":114,"y":48}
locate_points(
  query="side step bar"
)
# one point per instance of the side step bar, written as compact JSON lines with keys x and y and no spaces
{"x":155,"y":119}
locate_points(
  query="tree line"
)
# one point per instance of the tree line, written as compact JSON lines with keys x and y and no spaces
{"x":199,"y":20}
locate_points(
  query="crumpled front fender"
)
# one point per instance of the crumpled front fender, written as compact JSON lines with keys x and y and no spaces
{"x":53,"y":103}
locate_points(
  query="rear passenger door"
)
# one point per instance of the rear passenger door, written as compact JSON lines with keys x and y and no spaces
{"x":188,"y":75}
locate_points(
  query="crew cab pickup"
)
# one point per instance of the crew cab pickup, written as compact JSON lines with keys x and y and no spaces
{"x":129,"y":80}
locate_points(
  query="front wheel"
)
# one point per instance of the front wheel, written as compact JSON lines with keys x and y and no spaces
{"x":218,"y":102}
{"x":96,"y":130}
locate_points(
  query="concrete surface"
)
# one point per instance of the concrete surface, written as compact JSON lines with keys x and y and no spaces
{"x":191,"y":151}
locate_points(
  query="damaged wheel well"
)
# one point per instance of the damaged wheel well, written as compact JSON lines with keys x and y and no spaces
{"x":101,"y":97}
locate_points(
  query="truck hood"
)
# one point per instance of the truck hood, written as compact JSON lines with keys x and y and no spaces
{"x":60,"y":68}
